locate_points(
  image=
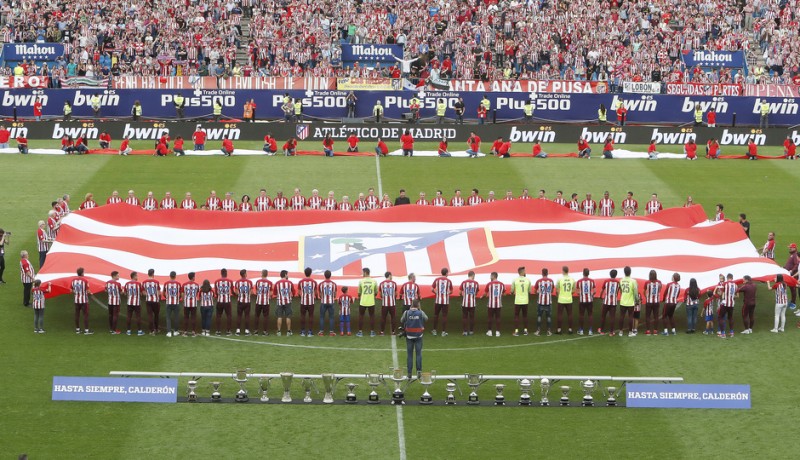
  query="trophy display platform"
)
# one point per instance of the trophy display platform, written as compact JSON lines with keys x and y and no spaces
{"x":242,"y":386}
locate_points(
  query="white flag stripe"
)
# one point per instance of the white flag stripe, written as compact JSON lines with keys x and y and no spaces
{"x":417,"y":261}
{"x":658,"y":248}
{"x":376,"y":264}
{"x":267,"y":235}
{"x":459,"y":253}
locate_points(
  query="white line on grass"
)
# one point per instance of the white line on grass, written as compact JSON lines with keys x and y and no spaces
{"x":401,"y":432}
{"x":99,"y":302}
{"x":378,"y":170}
{"x":319,"y":347}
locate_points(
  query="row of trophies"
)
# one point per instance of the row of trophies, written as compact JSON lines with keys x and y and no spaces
{"x":401,"y":382}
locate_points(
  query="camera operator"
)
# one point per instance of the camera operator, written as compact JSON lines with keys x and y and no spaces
{"x":413,"y":324}
{"x":4,"y":240}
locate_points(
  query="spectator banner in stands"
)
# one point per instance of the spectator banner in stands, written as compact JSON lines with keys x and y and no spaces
{"x":35,"y":81}
{"x":371,"y":53}
{"x":516,"y":133}
{"x":115,"y":389}
{"x":530,"y":86}
{"x":493,"y":237}
{"x":641,"y":87}
{"x":704,"y":89}
{"x":332,"y":105}
{"x":771,"y":90}
{"x":368,"y":84}
{"x":704,"y":58}
{"x":687,"y":396}
{"x":13,"y":52}
{"x":197,"y":82}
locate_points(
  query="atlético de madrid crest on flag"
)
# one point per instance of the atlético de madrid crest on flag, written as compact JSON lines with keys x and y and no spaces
{"x":301,"y":131}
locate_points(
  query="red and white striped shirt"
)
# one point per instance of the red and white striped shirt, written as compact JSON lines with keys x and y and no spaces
{"x":172,"y":292}
{"x":298,"y":202}
{"x":329,"y":204}
{"x":653,"y":206}
{"x":133,"y":289}
{"x":224,"y":289}
{"x":262,"y":203}
{"x":280,"y":203}
{"x":610,"y":292}
{"x":168,"y":203}
{"x":560,"y":201}
{"x":606,"y":207}
{"x":114,"y":291}
{"x":26,"y":272}
{"x":345,"y":302}
{"x":495,"y":290}
{"x":207,"y":298}
{"x":422,"y":202}
{"x":327,"y":292}
{"x":728,"y":297}
{"x":544,"y":287}
{"x":113,"y":200}
{"x":132,"y":200}
{"x":372,"y":202}
{"x":213,"y":203}
{"x":652,"y":291}
{"x":314,"y":202}
{"x":80,"y":288}
{"x":574,"y":205}
{"x":474,"y":200}
{"x":43,"y":239}
{"x":188,"y":204}
{"x":588,"y":207}
{"x":150,"y":204}
{"x":307,"y":289}
{"x":88,"y":204}
{"x":630,"y":203}
{"x":387,"y":203}
{"x":409,"y":292}
{"x":190,"y":294}
{"x":780,"y":293}
{"x":469,"y":290}
{"x":585,"y":288}
{"x":244,"y":289}
{"x":229,"y":204}
{"x":284,"y":291}
{"x":345,"y":206}
{"x":388,"y":293}
{"x":37,"y":298}
{"x":457,"y":201}
{"x":245,"y":207}
{"x":442,"y":288}
{"x":360,"y":205}
{"x":263,"y":290}
{"x":439,"y":201}
{"x":671,"y":292}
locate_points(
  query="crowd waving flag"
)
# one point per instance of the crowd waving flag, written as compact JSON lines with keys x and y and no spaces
{"x":495,"y":237}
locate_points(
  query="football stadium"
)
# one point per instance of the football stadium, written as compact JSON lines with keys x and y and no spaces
{"x":399,"y":229}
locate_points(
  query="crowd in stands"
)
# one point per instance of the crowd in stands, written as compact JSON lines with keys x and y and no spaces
{"x":610,"y":40}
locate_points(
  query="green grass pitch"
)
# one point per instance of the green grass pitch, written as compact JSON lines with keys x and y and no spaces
{"x":34,"y":424}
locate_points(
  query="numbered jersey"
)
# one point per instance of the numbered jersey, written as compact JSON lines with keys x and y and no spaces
{"x":585,"y":288}
{"x":307,"y":289}
{"x":263,"y":288}
{"x":544,"y":288}
{"x":494,"y":291}
{"x":566,"y":287}
{"x":469,"y":291}
{"x":388,"y":291}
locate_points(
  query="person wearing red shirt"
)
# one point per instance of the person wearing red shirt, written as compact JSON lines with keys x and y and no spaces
{"x":538,"y":152}
{"x":168,"y":202}
{"x":690,"y":149}
{"x":178,"y":146}
{"x":422,"y":201}
{"x":719,"y":215}
{"x":188,"y":202}
{"x":327,"y":145}
{"x":199,"y":138}
{"x":124,"y":147}
{"x":381,"y":148}
{"x":752,"y":150}
{"x":162,"y":150}
{"x":791,"y":150}
{"x":711,"y":118}
{"x":652,"y":153}
{"x":495,"y":149}
{"x":608,"y":148}
{"x":22,"y":144}
{"x":88,"y":202}
{"x":407,"y":143}
{"x":584,"y":151}
{"x":270,"y":144}
{"x":443,"y":149}
{"x":224,"y":290}
{"x":352,"y":143}
{"x":229,"y":204}
{"x":213,"y":203}
{"x":481,"y":114}
{"x":290,"y":147}
{"x":114,"y":198}
{"x":227,"y":146}
{"x":505,"y":149}
{"x":243,"y":289}
{"x":622,"y":113}
{"x":589,"y":206}
{"x":474,"y":143}
{"x":5,"y":135}
{"x":104,"y":140}
{"x":37,"y":109}
{"x":280,"y":203}
{"x":164,"y":139}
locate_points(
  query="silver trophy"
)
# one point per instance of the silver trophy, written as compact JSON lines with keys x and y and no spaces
{"x":588,"y":388}
{"x":351,"y":398}
{"x":474,"y":381}
{"x":451,"y":397}
{"x":373,"y":380}
{"x":286,"y":380}
{"x":263,"y":384}
{"x":240,"y":377}
{"x":307,"y":384}
{"x":329,"y":384}
{"x":426,"y":379}
{"x":215,"y":396}
{"x":398,"y":396}
{"x":499,"y":399}
{"x":525,"y":392}
{"x":564,"y":395}
{"x":192,"y":396}
{"x":545,"y":385}
{"x":611,"y":394}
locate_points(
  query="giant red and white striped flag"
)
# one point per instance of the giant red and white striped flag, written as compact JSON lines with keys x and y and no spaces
{"x":499,"y":236}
